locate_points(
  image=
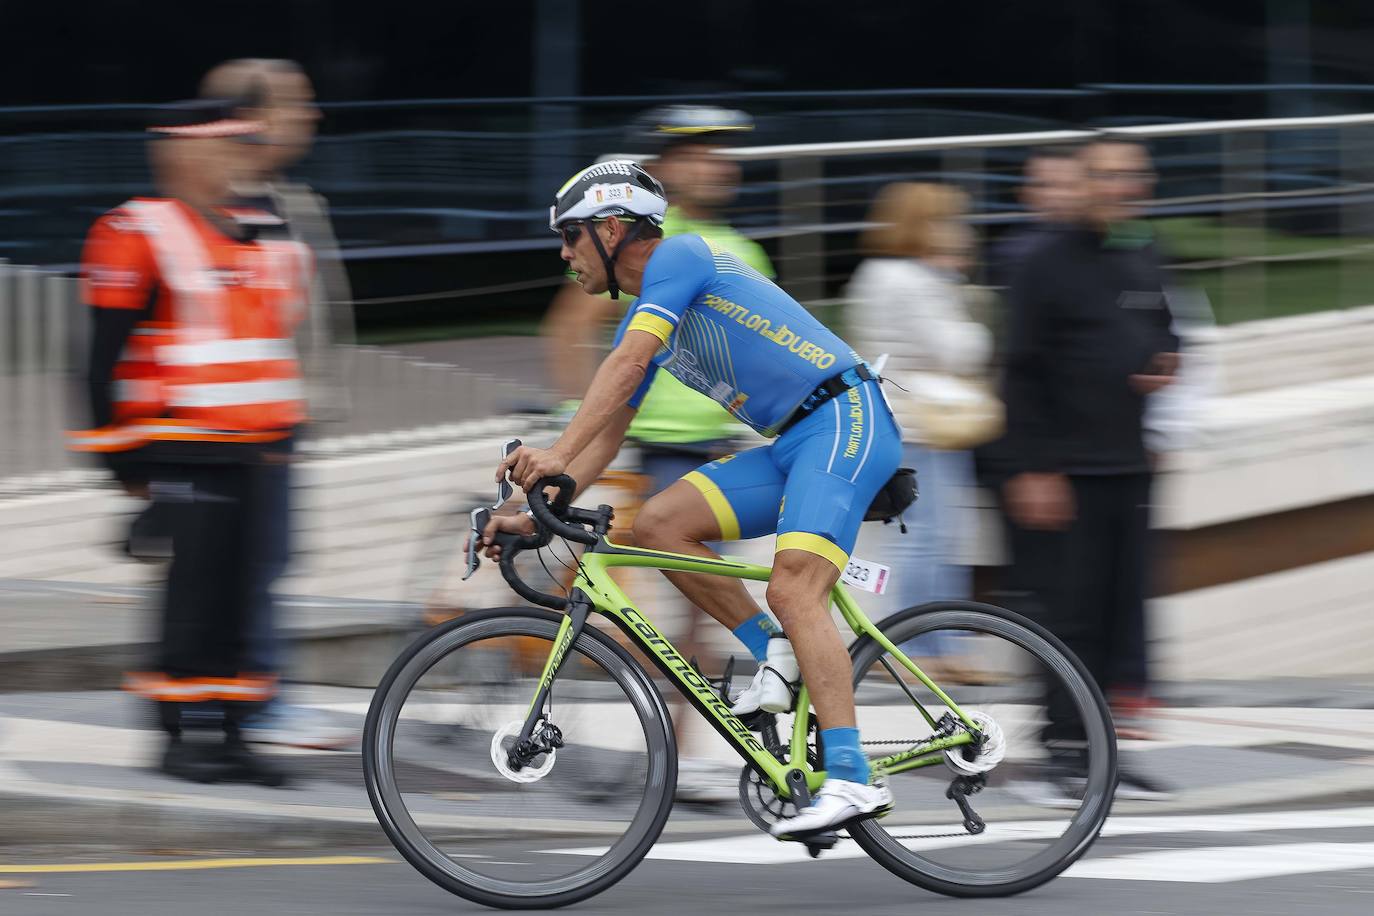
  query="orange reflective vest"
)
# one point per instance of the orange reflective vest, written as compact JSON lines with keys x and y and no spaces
{"x":215,"y":360}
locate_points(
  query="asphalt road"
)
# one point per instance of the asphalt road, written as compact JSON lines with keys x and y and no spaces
{"x":1280,"y":869}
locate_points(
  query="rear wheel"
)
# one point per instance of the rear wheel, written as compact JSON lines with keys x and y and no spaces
{"x":568,"y":824}
{"x":1042,"y":783}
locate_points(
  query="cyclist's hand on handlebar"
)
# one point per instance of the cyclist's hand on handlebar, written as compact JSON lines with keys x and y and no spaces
{"x":527,"y":466}
{"x":520,"y":523}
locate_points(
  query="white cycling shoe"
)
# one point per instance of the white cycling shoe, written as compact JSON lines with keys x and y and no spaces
{"x":836,"y":804}
{"x":773,"y":687}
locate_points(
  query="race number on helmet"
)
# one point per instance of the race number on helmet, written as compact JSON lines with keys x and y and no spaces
{"x":619,"y":187}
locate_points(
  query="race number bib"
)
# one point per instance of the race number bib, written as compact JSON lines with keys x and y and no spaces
{"x":870,"y":577}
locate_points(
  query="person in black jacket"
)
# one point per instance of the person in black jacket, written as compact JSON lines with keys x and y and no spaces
{"x":1089,"y":340}
{"x":1052,"y":193}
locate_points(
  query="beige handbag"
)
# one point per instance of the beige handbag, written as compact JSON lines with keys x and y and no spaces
{"x":949,"y":412}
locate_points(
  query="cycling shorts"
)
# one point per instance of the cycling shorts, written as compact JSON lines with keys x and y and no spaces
{"x":814,"y":483}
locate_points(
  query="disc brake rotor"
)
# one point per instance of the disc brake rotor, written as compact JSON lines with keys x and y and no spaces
{"x":501,"y":744}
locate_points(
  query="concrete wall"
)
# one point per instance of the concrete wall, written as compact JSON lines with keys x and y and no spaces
{"x":364,"y":511}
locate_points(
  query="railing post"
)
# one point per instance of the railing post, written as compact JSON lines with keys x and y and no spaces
{"x":55,"y":378}
{"x":1356,"y":217}
{"x":1242,"y":230}
{"x":8,"y":375}
{"x":801,"y":249}
{"x":28,"y":366}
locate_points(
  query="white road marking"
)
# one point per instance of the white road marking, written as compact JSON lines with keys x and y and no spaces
{"x":1219,"y":864}
{"x":758,"y":849}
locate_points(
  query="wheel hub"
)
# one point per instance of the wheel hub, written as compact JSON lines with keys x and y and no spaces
{"x":983,"y":756}
{"x":540,"y":756}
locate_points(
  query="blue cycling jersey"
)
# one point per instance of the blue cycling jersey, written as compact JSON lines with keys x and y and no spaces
{"x":732,"y":334}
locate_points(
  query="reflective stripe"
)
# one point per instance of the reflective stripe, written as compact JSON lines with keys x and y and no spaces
{"x":185,"y":265}
{"x":234,"y":350}
{"x":139,"y":433}
{"x":193,"y":690}
{"x":182,"y":431}
{"x":105,"y":439}
{"x":812,"y":543}
{"x":720,"y":505}
{"x":231,"y":394}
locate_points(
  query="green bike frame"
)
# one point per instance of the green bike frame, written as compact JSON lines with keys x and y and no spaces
{"x":608,"y":599}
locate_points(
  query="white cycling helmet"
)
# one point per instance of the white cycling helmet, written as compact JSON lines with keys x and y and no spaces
{"x":619,"y":188}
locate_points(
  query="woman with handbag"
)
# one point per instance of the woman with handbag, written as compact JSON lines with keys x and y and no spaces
{"x":905,"y":301}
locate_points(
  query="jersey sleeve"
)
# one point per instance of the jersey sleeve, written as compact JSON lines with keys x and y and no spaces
{"x":117,"y":268}
{"x":677,"y":272}
{"x":638,"y":397}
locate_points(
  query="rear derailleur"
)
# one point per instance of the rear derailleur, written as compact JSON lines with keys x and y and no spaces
{"x":959,"y":790}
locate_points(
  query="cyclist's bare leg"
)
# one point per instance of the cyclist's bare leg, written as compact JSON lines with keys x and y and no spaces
{"x":679,"y":520}
{"x":799,"y":595}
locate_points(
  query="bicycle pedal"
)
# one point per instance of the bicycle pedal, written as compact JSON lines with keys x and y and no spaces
{"x":816,"y":843}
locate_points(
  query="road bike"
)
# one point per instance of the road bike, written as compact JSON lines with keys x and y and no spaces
{"x":550,"y":787}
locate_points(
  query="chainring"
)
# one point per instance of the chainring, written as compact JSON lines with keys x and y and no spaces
{"x":760,"y":802}
{"x":757,"y":797}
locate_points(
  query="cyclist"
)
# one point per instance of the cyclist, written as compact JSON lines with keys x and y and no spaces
{"x":727,"y":331}
{"x":676,"y":429}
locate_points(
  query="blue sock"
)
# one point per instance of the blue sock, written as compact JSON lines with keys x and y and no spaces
{"x":755,"y":633}
{"x":844,"y":758}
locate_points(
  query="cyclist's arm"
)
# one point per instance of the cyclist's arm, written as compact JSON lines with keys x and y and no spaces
{"x":588,"y":466}
{"x":675,"y":276}
{"x":616,"y":382}
{"x":586,"y":469}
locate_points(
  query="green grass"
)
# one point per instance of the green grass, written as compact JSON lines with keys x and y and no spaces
{"x":1268,"y":289}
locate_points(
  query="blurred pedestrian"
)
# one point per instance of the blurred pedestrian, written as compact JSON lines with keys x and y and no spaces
{"x":194,"y":390}
{"x":905,"y":301}
{"x":278,"y":94}
{"x":1053,"y":194}
{"x":1090,"y":340}
{"x":676,"y":429}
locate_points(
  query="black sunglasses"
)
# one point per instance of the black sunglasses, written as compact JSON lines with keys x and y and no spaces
{"x":570,"y":233}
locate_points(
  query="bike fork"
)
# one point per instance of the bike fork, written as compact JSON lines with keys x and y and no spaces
{"x":527,"y":745}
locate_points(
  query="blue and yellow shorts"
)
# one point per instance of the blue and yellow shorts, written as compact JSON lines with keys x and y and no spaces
{"x":814,"y":483}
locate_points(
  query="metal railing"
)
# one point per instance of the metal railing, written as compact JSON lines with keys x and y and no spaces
{"x":408,"y":174}
{"x":1268,"y":216}
{"x":44,"y":339}
{"x":1245,"y":201}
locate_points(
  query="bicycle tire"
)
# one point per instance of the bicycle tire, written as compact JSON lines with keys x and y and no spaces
{"x":400,"y":826}
{"x":871,"y":836}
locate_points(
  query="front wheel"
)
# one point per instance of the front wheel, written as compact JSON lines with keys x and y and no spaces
{"x":1041,"y":784}
{"x":558,"y":828}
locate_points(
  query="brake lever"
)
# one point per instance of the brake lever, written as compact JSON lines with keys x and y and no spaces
{"x":478,"y":521}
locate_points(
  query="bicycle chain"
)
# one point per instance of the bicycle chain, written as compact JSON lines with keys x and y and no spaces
{"x":844,"y":835}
